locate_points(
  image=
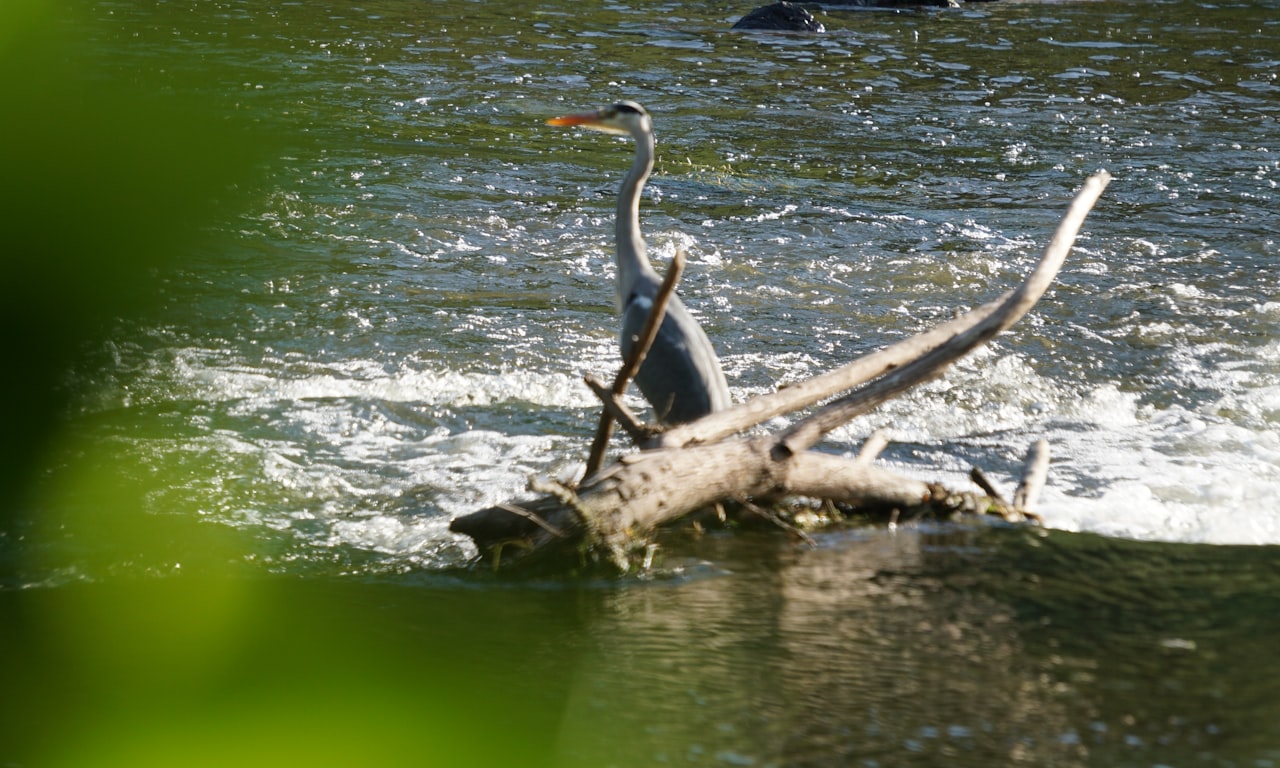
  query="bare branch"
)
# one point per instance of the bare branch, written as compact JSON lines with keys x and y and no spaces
{"x":982,"y":481}
{"x":718,"y":425}
{"x":803,"y":394}
{"x":1034,"y":474}
{"x":633,"y":362}
{"x":872,"y":447}
{"x":1008,"y":311}
{"x":824,"y":476}
{"x":617,"y":411}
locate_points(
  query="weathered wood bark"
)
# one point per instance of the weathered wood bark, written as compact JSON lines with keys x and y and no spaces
{"x":700,"y":464}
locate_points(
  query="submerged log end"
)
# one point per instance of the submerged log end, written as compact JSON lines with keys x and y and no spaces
{"x":506,"y":534}
{"x":491,"y":524}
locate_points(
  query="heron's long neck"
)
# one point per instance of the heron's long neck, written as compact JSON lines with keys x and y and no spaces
{"x":633,"y":263}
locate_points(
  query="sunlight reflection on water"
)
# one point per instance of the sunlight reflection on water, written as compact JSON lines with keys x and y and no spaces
{"x":411,"y":305}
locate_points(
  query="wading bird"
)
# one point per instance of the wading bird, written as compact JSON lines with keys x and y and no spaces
{"x":681,"y":375}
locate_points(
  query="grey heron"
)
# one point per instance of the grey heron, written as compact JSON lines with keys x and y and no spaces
{"x":681,"y":375}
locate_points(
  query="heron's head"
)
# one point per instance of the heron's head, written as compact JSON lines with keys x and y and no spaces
{"x":626,"y":118}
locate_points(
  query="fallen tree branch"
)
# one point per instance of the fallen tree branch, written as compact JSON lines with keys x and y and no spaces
{"x":975,"y":328}
{"x":613,"y":510}
{"x":986,"y":323}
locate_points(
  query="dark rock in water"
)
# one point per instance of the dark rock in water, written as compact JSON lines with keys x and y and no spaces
{"x":781,"y":16}
{"x":893,"y":3}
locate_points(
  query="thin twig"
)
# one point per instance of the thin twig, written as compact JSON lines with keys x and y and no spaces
{"x":533,"y":518}
{"x":872,"y":447}
{"x":633,"y":362}
{"x":776,"y":520}
{"x":982,"y":481}
{"x":617,"y":410}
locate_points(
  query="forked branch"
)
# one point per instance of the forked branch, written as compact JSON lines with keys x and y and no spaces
{"x":693,"y":466}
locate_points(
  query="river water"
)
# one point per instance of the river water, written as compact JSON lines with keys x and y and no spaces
{"x":383,"y":321}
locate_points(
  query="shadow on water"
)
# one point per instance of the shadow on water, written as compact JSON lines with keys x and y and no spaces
{"x":970,"y":646}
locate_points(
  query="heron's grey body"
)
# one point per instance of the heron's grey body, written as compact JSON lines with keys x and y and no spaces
{"x":681,"y":376}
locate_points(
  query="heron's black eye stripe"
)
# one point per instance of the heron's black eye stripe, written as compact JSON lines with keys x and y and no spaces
{"x":625,"y":107}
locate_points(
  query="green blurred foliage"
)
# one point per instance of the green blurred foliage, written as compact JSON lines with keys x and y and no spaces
{"x":113,"y":174}
{"x":110,"y":175}
{"x":142,"y":638}
{"x":216,"y":672}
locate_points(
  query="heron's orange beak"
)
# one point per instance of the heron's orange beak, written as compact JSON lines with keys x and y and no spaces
{"x":581,"y":118}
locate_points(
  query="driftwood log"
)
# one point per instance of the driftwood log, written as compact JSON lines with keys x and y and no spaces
{"x":611,"y":514}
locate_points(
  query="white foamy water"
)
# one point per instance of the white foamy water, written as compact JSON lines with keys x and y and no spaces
{"x":1120,"y":467}
{"x":1170,"y":475}
{"x":371,"y":381}
{"x":352,"y":457}
{"x":376,"y":460}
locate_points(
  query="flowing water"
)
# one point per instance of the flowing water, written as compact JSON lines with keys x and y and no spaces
{"x":383,"y":322}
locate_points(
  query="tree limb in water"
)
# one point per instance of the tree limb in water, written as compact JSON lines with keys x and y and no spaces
{"x":697,"y":465}
{"x":806,"y":393}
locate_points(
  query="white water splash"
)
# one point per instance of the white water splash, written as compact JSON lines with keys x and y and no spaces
{"x":1120,"y":467}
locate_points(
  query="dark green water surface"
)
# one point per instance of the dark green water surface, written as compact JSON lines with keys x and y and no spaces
{"x":916,"y":648}
{"x":288,"y":286}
